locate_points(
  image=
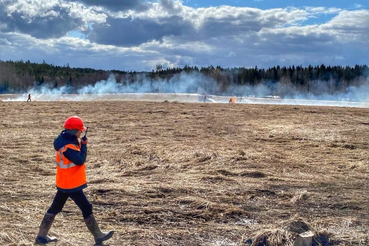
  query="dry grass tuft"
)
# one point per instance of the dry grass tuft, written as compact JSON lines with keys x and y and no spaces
{"x":301,"y":196}
{"x":273,"y":237}
{"x":297,"y":225}
{"x":287,"y":233}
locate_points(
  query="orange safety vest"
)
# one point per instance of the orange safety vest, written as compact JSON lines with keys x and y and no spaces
{"x":69,"y":175}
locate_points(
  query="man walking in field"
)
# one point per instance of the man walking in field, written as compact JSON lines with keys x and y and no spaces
{"x":70,"y":181}
{"x":29,"y":98}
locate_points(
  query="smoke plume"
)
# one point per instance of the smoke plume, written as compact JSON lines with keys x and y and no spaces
{"x":197,"y":83}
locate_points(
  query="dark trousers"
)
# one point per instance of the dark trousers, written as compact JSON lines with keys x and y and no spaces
{"x":78,"y":197}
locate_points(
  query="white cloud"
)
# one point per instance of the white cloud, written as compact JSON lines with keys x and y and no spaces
{"x":46,"y":19}
{"x":170,"y":33}
{"x":358,"y":6}
{"x":322,"y":10}
{"x":349,"y":26}
{"x":115,"y":5}
{"x":231,"y":54}
{"x":4,"y":41}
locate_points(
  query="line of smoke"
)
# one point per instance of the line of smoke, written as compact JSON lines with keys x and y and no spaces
{"x":46,"y":92}
{"x":180,"y":83}
{"x":198,"y":83}
{"x":321,"y":90}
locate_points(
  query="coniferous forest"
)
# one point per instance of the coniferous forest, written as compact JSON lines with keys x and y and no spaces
{"x":20,"y":76}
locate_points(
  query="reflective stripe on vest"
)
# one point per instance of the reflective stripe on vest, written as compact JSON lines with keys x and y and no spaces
{"x":61,"y":163}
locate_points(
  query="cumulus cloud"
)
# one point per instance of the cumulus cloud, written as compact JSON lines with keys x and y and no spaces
{"x":322,"y":10}
{"x":352,"y":23}
{"x":117,"y":5}
{"x":134,"y":32}
{"x":45,"y":19}
{"x":168,"y":32}
{"x":75,"y":51}
{"x":171,"y":18}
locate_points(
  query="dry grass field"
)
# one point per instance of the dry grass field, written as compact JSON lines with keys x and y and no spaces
{"x":191,"y":174}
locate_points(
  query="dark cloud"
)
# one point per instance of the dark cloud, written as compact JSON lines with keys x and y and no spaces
{"x":224,"y":27}
{"x":133,"y":32}
{"x":41,"y":27}
{"x":116,"y":5}
{"x":295,"y":42}
{"x":54,"y":22}
{"x":167,"y":4}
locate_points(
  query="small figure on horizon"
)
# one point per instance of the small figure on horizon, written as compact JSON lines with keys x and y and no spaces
{"x":29,"y":98}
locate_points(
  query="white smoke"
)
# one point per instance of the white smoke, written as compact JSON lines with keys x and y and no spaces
{"x":259,"y":90}
{"x":46,"y":93}
{"x":103,"y":87}
{"x":47,"y":89}
{"x":360,"y":94}
{"x":351,"y":94}
{"x":179,"y":83}
{"x":197,"y":83}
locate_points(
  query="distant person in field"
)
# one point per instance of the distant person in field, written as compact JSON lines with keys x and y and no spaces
{"x":29,"y":98}
{"x":70,"y":181}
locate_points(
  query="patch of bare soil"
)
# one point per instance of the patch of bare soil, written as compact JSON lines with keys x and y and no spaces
{"x":191,"y":174}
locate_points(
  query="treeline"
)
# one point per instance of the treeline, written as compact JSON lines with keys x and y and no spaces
{"x":19,"y":76}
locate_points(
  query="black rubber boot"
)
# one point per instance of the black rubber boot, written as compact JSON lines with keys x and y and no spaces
{"x":93,"y":227}
{"x":42,"y":237}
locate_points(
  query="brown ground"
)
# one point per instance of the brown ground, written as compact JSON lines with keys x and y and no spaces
{"x":190,"y":174}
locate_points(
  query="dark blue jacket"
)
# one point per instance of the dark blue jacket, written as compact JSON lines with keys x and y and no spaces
{"x":77,"y":157}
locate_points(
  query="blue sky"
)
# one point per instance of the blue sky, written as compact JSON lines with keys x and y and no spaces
{"x":139,"y":34}
{"x":268,"y":4}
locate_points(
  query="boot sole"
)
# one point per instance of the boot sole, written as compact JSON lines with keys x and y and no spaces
{"x":107,"y":237}
{"x":43,"y":241}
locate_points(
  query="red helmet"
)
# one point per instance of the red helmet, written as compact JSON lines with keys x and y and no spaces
{"x":74,"y":122}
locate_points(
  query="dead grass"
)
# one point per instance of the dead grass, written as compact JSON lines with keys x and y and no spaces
{"x":191,"y":174}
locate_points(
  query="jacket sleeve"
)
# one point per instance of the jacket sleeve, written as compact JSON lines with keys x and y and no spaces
{"x":77,"y":157}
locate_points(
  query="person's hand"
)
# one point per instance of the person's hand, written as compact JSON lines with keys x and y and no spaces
{"x":84,"y":140}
